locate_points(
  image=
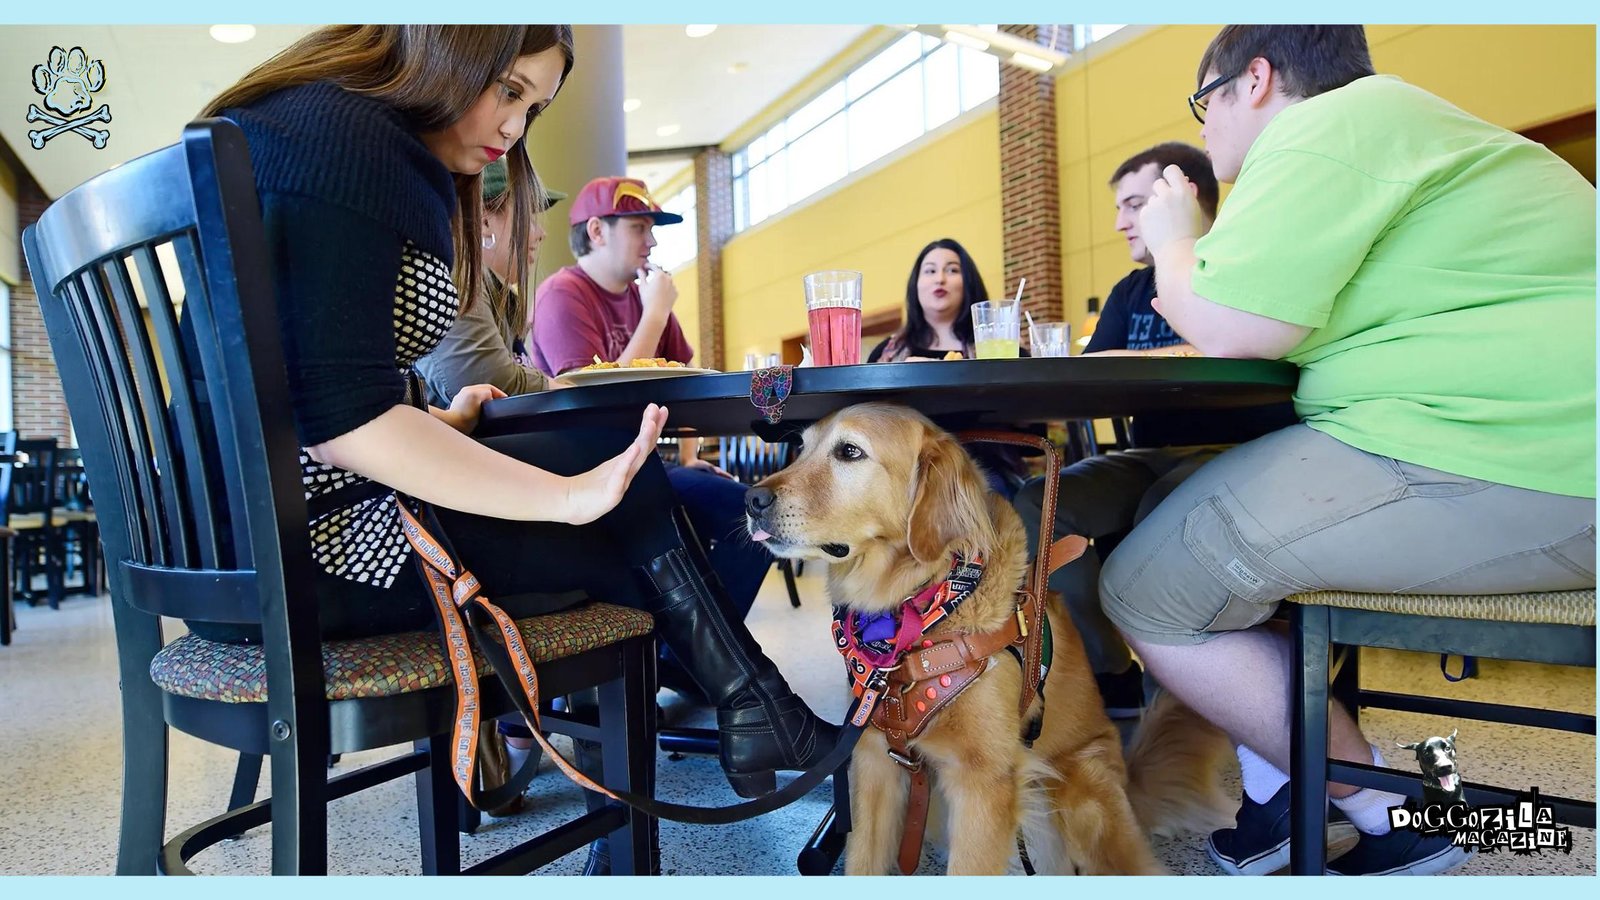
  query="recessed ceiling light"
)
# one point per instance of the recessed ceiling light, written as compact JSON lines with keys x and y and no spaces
{"x":631,"y":104}
{"x":738,"y":68}
{"x":233,"y":34}
{"x":698,"y":30}
{"x":668,"y":130}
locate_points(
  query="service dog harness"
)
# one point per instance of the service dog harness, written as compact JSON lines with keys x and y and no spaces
{"x":903,"y":677}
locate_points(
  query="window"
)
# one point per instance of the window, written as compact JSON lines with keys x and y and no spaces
{"x":677,"y":244}
{"x":6,"y":423}
{"x":906,"y":90}
{"x":1084,"y":35}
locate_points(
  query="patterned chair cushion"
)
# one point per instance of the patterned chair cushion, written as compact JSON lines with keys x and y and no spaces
{"x":1554,"y":607}
{"x":381,"y":666}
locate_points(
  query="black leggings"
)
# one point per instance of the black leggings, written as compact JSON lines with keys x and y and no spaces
{"x":520,"y":564}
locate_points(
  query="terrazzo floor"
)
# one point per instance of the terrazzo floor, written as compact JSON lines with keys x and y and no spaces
{"x":59,"y":738}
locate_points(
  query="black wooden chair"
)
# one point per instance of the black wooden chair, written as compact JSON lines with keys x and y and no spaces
{"x":1555,"y":628}
{"x":228,"y":542}
{"x":31,"y":503}
{"x":79,"y":528}
{"x":7,"y":611}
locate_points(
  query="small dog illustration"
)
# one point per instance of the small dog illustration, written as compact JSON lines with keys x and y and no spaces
{"x":1441,"y":777}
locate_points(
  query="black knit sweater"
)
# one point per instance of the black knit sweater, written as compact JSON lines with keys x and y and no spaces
{"x":347,"y":190}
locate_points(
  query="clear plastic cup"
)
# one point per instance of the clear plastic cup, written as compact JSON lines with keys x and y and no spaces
{"x":833,"y":306}
{"x":997,"y":329}
{"x":1051,"y":339}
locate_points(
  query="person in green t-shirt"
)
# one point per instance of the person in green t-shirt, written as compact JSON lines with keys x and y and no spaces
{"x":1433,"y":275}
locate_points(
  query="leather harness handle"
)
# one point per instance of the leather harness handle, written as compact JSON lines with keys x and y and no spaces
{"x":1042,"y":561}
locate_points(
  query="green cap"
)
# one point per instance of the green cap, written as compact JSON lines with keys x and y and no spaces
{"x":494,"y":184}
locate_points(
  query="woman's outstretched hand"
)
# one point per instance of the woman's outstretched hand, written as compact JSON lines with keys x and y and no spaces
{"x":597,"y":491}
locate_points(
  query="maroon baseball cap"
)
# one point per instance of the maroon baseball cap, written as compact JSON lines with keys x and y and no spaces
{"x":616,"y":196}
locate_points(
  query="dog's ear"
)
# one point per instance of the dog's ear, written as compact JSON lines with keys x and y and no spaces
{"x":1406,"y":746}
{"x":947,"y":502}
{"x":1451,"y":740}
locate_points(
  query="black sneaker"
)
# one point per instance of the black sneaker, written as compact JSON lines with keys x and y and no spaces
{"x":1401,"y":853}
{"x":1258,"y":844}
{"x":1123,"y":693}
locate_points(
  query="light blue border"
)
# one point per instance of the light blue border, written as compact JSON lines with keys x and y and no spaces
{"x":815,"y":11}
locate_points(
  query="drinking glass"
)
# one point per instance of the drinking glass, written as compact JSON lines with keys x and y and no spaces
{"x":833,"y":306}
{"x":1051,"y":339}
{"x":996,"y":329}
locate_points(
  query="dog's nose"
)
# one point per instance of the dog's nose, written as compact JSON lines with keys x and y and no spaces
{"x":759,"y":499}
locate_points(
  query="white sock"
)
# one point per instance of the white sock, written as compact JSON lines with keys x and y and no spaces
{"x":1262,"y":780}
{"x":516,"y":756}
{"x":1368,"y":808}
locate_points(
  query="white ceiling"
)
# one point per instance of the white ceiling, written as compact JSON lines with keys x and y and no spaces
{"x":158,"y":77}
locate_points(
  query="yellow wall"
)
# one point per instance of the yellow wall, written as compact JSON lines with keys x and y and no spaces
{"x":687,"y":309}
{"x":1129,"y":94}
{"x":949,"y":186}
{"x":10,"y":237}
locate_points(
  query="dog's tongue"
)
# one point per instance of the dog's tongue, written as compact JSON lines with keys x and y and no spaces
{"x":1448,"y":782}
{"x":760,"y":534}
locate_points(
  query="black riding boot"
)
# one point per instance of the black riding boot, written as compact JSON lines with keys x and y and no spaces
{"x":762,"y":725}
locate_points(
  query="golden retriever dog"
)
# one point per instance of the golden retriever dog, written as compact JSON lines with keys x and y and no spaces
{"x":885,"y":497}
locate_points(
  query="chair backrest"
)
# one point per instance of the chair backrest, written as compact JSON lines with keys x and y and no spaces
{"x":71,"y":480}
{"x":750,"y":459}
{"x":155,"y":283}
{"x":32,"y":485}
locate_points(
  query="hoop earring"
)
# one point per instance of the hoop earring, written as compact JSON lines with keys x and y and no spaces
{"x":488,"y":241}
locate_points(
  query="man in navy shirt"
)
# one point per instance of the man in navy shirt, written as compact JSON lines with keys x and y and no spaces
{"x":1104,"y":496}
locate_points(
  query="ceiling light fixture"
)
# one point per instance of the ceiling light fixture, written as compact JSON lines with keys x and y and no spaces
{"x":233,"y":34}
{"x":1018,"y":51}
{"x":631,"y":104}
{"x":1029,"y":61}
{"x":698,"y":30}
{"x":966,"y":40}
{"x":738,"y":68}
{"x":668,"y":130}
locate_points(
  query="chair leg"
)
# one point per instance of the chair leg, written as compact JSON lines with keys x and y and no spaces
{"x":787,"y":569}
{"x":627,"y":746}
{"x":245,"y":781}
{"x":144,"y":754}
{"x":1308,"y":745}
{"x":437,"y":798}
{"x":6,"y":611}
{"x":299,"y":790}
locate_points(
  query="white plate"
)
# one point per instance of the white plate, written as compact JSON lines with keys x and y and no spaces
{"x":584,"y":377}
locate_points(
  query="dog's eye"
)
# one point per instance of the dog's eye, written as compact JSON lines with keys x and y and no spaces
{"x":847,"y":452}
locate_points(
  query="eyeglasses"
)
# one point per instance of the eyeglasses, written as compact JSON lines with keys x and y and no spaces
{"x":1198,"y":102}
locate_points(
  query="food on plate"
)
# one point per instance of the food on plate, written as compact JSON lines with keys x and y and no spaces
{"x":954,"y":354}
{"x":650,"y":363}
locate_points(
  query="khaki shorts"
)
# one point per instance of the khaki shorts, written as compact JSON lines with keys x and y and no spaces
{"x":1298,"y":511}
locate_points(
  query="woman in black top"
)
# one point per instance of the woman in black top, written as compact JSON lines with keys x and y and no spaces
{"x":944,"y":284}
{"x":368,"y":143}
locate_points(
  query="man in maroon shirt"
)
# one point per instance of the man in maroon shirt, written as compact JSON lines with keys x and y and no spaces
{"x":616,"y":305}
{"x":613,"y":303}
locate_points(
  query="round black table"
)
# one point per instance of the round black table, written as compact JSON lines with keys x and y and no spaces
{"x":957,"y":394}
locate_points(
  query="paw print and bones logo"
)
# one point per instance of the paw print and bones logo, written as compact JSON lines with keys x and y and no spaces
{"x":67,"y":83}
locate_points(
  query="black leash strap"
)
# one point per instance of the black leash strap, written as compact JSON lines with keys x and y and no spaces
{"x":464,"y":614}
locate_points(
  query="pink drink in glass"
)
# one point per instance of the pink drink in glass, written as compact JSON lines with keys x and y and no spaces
{"x":835,"y":336}
{"x":833,"y":308}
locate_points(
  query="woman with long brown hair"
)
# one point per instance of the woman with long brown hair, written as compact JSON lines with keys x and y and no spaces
{"x":368,"y":144}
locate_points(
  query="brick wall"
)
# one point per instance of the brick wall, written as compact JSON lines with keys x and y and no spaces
{"x":1029,"y":179}
{"x":37,"y":405}
{"x":713,"y":191}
